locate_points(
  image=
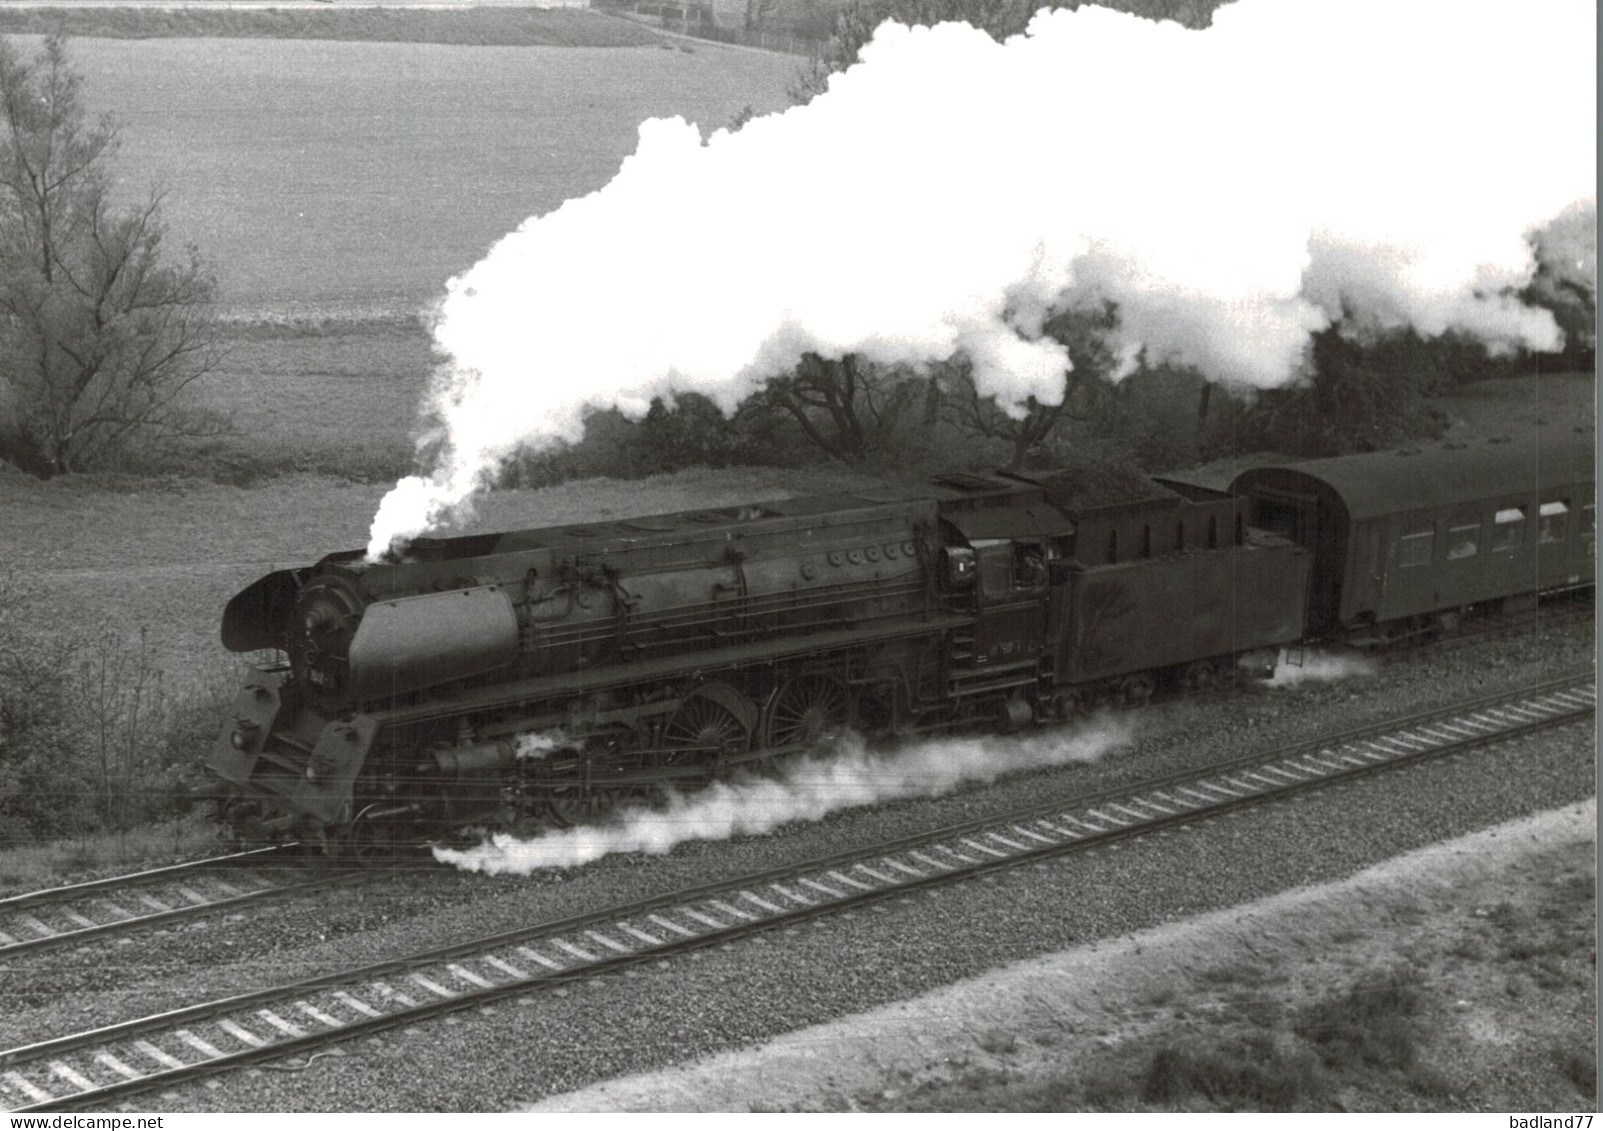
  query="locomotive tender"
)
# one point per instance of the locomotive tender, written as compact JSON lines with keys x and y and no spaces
{"x":549,"y":673}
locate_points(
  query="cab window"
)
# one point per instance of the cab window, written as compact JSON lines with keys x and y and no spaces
{"x":1029,"y":566}
{"x":996,"y":566}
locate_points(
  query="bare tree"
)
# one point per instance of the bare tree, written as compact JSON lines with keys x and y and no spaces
{"x":101,"y":336}
{"x":848,"y":407}
{"x":1086,"y":387}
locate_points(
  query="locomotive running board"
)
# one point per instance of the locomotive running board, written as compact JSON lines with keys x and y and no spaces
{"x":623,"y":674}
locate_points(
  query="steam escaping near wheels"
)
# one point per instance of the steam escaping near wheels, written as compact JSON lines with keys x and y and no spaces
{"x":801,"y":789}
{"x":1322,"y":666}
{"x":1230,"y":191}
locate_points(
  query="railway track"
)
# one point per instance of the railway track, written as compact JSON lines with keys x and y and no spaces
{"x":120,"y":905}
{"x":101,"y":1067}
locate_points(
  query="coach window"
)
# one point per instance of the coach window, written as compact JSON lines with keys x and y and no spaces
{"x":1508,"y":528}
{"x":1551,"y":521}
{"x":1463,"y":541}
{"x":1416,"y":547}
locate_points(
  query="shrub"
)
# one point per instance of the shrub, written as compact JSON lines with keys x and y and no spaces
{"x":1256,"y":1071}
{"x":93,"y":735}
{"x":42,"y":792}
{"x":1579,"y":1069}
{"x":1371,"y":1024}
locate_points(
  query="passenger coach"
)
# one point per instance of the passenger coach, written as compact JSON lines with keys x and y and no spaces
{"x":1405,"y":542}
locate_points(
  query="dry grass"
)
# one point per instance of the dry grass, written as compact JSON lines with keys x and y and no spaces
{"x":1498,"y":408}
{"x":1493,"y":1008}
{"x":478,"y":27}
{"x":337,"y":399}
{"x":36,"y":866}
{"x":352,"y":179}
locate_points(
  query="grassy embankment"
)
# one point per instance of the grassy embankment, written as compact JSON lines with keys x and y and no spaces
{"x":1443,"y":982}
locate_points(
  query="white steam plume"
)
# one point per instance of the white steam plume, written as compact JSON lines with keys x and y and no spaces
{"x":1231,"y":190}
{"x":534,"y":747}
{"x":1322,"y":667}
{"x":803,"y":789}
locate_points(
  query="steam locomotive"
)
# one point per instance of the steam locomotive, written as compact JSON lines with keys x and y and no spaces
{"x":545,"y":675}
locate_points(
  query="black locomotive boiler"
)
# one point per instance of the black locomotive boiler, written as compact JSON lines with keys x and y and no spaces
{"x":547,"y":674}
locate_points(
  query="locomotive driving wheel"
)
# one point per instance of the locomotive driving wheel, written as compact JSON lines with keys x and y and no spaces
{"x":808,"y":710}
{"x":702,"y":731}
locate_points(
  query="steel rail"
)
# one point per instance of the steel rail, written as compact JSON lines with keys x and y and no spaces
{"x":75,"y":914}
{"x":729,"y":909}
{"x":11,"y":947}
{"x":166,"y":872}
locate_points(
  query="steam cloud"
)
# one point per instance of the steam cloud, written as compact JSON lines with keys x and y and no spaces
{"x":1320,"y":666}
{"x":804,"y":789}
{"x":1232,"y":190}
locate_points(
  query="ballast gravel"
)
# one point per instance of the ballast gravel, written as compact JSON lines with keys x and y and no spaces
{"x":725,"y":997}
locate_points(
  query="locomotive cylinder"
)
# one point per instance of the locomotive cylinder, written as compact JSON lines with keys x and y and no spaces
{"x":475,"y":761}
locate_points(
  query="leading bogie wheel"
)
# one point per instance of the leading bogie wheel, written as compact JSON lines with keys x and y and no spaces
{"x":599,"y":791}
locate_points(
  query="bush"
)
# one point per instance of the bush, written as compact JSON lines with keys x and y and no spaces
{"x":1371,"y":1025}
{"x":693,"y":432}
{"x":1256,"y":1071}
{"x":41,"y":791}
{"x":1364,"y":397}
{"x":93,"y":736}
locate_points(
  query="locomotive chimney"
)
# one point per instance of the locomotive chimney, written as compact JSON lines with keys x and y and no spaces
{"x":426,"y":549}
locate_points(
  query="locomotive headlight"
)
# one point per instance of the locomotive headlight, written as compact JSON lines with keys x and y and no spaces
{"x":244,"y":734}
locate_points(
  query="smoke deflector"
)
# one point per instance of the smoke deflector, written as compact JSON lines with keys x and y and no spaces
{"x":414,"y":642}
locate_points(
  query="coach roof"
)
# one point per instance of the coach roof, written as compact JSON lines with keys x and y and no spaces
{"x":1442,"y":475}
